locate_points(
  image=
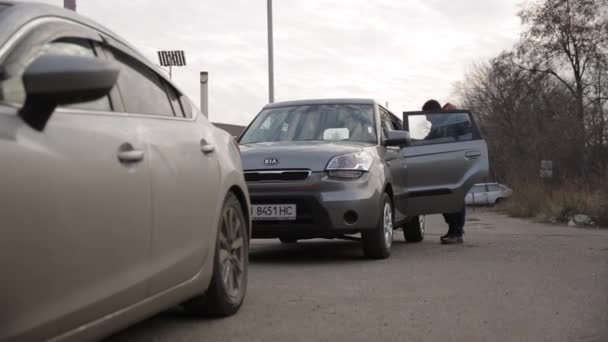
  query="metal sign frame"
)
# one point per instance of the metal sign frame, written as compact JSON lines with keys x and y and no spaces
{"x":171,"y":59}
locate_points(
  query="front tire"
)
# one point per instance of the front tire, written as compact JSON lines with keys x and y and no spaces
{"x":377,"y":242}
{"x":228,"y":286}
{"x":414,"y":229}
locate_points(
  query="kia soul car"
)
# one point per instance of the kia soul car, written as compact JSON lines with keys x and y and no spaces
{"x":339,"y":167}
{"x":119,"y":198}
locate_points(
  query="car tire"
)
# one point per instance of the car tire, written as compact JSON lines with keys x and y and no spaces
{"x":377,"y":242}
{"x":498,"y":201}
{"x":414,"y":229}
{"x":288,"y":240}
{"x":228,"y":285}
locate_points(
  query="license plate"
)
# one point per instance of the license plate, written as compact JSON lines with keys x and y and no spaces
{"x":273,"y":212}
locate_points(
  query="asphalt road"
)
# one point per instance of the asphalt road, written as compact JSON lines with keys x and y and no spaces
{"x":511,"y":281}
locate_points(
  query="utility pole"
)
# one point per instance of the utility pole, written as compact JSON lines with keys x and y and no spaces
{"x":205,"y":93}
{"x":270,"y":55}
{"x":70,"y":4}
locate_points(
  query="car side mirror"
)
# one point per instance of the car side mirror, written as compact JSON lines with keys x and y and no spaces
{"x":398,"y":138}
{"x":55,"y":80}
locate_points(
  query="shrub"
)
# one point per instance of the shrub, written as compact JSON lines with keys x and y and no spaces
{"x":598,"y":209}
{"x":561,"y":204}
{"x":527,"y":200}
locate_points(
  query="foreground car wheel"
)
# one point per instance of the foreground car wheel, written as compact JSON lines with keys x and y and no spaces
{"x":413,"y":230}
{"x":377,"y":242}
{"x":229,"y":281}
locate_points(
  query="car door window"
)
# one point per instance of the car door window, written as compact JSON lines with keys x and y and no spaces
{"x":174,"y":98}
{"x":440,"y":128}
{"x":386,"y":126}
{"x":186,"y":106}
{"x":478,"y":189}
{"x":141,"y":88}
{"x":388,"y":123}
{"x":13,"y":91}
{"x":494,"y":187}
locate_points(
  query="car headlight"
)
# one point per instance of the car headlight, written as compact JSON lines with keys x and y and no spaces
{"x":351,"y":165}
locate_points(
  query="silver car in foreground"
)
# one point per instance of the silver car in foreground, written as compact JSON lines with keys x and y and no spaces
{"x":119,"y":199}
{"x":339,"y":167}
{"x":488,"y":194}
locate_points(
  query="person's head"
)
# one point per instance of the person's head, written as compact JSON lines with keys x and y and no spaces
{"x":431,"y":105}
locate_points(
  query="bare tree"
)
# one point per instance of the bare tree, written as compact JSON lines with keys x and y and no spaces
{"x":566,"y":39}
{"x":525,"y":118}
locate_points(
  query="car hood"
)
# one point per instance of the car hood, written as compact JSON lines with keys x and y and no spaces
{"x":310,"y":155}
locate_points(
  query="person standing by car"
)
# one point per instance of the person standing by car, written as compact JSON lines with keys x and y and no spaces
{"x":454,"y":220}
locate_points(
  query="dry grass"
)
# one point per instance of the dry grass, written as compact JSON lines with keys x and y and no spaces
{"x":527,"y":201}
{"x":558,"y":205}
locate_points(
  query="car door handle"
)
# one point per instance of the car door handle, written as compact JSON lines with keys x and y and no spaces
{"x":131,"y":156}
{"x":207,"y":148}
{"x":473,"y":154}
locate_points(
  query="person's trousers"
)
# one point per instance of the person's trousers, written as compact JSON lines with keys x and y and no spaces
{"x":456,"y":222}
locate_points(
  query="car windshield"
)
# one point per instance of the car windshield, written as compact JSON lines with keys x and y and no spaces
{"x":329,"y":122}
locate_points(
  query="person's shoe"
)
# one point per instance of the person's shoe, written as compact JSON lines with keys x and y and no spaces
{"x":452,"y":240}
{"x":448,"y":234}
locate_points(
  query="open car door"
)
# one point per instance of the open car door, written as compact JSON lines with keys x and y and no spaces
{"x":446,"y":157}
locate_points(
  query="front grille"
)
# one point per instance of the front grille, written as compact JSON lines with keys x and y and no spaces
{"x":277,"y":176}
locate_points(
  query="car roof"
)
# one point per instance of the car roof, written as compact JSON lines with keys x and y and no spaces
{"x":320,"y":102}
{"x":19,"y":14}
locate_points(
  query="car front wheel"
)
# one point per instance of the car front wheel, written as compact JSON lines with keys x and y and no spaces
{"x":377,"y":242}
{"x":226,"y":292}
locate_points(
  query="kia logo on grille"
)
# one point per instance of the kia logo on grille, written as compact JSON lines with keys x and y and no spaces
{"x":271,"y":161}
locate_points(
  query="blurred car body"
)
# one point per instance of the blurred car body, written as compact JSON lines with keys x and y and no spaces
{"x":119,"y":198}
{"x":488,"y":194}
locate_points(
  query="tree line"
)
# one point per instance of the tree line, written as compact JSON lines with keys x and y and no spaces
{"x":546,"y":98}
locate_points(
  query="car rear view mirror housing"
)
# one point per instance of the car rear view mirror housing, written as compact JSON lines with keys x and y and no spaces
{"x":55,"y":80}
{"x":398,"y":138}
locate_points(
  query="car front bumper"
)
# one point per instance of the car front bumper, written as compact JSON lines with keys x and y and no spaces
{"x":322,"y":203}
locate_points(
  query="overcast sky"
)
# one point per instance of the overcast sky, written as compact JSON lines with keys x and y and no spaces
{"x":397,"y":51}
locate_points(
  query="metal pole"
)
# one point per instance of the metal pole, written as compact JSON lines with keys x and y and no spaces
{"x":170,"y":73}
{"x":205,"y":93}
{"x":70,"y":4}
{"x":270,"y":55}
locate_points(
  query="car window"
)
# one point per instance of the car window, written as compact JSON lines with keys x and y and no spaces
{"x":439,"y":128}
{"x":389,"y":122}
{"x":478,"y":188}
{"x":186,"y":106}
{"x":494,"y":187}
{"x":174,"y":98}
{"x":141,"y":88}
{"x":386,"y":124}
{"x":13,"y":91}
{"x":351,"y":122}
{"x":393,"y":122}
